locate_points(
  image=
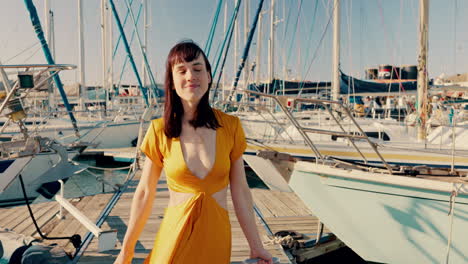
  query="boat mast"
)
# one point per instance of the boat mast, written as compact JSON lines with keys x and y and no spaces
{"x":422,"y":68}
{"x":284,"y":50}
{"x":110,"y":72}
{"x":128,"y":50}
{"x":103,"y":45}
{"x":82,"y":83}
{"x":259,"y":48}
{"x":336,"y":52}
{"x":245,"y":53}
{"x":51,"y":41}
{"x":236,"y":28}
{"x":47,"y":20}
{"x":48,"y":39}
{"x":246,"y":35}
{"x":52,"y":34}
{"x":145,"y":42}
{"x":271,"y":59}
{"x":225,"y":32}
{"x":50,"y":60}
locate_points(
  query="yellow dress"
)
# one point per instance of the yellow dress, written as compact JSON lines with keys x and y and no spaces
{"x":197,"y":230}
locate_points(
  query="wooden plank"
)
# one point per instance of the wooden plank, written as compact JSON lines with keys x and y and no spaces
{"x":72,"y":225}
{"x":42,"y":216}
{"x":23,"y":215}
{"x":281,"y":211}
{"x":6,"y":213}
{"x":57,"y":226}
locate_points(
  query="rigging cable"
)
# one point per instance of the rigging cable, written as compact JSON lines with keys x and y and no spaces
{"x":209,"y":40}
{"x":23,"y":51}
{"x":230,"y":32}
{"x":231,"y":26}
{"x":302,"y":83}
{"x":36,"y":23}
{"x":451,"y":213}
{"x":319,"y":44}
{"x":388,"y":37}
{"x":154,"y":86}
{"x":455,"y":36}
{"x":32,"y":54}
{"x":131,"y":42}
{"x":350,"y":9}
{"x":284,"y":42}
{"x":129,"y":53}
{"x":132,"y":37}
{"x":124,"y":23}
{"x":292,"y":37}
{"x":246,"y":51}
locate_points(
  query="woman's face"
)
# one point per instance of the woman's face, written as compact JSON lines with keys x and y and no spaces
{"x":191,"y":79}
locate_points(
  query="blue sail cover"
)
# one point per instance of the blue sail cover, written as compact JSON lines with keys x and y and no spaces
{"x":350,"y":85}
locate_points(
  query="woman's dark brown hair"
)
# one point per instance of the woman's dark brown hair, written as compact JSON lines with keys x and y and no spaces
{"x":204,"y":116}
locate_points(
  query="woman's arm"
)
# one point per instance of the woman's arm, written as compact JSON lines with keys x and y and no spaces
{"x":243,"y":205}
{"x":142,"y":204}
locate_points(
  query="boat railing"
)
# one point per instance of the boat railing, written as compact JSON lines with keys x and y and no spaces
{"x":269,"y":118}
{"x":30,"y":78}
{"x":331,"y":107}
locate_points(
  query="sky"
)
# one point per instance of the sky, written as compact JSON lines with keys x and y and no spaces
{"x":373,"y":32}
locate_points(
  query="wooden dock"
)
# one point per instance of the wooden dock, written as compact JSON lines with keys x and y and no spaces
{"x":279,"y":211}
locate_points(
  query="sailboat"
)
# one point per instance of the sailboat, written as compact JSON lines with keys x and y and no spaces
{"x":30,"y":164}
{"x":268,"y":131}
{"x":109,"y":132}
{"x":386,"y":213}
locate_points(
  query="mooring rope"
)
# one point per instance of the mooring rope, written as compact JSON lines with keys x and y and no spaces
{"x":451,"y":213}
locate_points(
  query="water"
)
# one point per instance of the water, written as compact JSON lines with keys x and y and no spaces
{"x":253,"y":180}
{"x":88,"y":181}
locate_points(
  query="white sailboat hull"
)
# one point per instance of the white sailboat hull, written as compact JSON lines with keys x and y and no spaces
{"x":104,"y":134}
{"x":33,"y":177}
{"x":275,"y":179}
{"x":402,"y":149}
{"x":385,"y":218}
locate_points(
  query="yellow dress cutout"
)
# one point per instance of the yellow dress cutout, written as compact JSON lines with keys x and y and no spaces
{"x":197,"y":230}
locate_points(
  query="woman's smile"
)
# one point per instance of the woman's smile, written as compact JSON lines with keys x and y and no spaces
{"x":192,"y":86}
{"x":191,"y":79}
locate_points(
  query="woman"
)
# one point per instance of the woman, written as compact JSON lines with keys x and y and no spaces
{"x":200,"y":149}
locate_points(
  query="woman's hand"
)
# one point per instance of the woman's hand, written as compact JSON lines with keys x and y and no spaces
{"x":262,"y":254}
{"x":124,"y":257}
